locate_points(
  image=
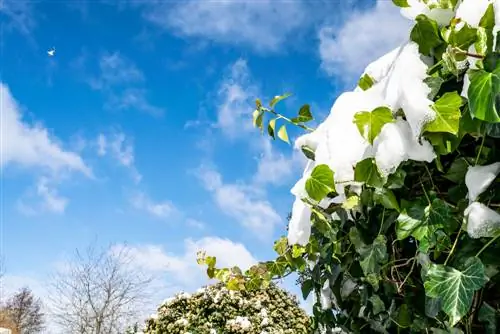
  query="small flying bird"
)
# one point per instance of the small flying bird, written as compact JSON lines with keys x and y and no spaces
{"x":51,"y":52}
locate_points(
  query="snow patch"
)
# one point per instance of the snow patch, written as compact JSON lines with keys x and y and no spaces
{"x":482,"y":222}
{"x":478,"y":179}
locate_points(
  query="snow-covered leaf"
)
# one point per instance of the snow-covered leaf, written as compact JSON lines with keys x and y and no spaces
{"x":479,"y":178}
{"x":482,"y":222}
{"x":455,"y":287}
{"x":370,"y":123}
{"x":448,"y":113}
{"x":426,"y":34}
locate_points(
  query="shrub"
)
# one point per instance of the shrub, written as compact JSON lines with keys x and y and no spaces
{"x":217,"y":310}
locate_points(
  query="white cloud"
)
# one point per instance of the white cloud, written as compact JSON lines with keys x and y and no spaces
{"x":47,"y":199}
{"x":164,"y":209}
{"x":236,"y":97}
{"x":19,"y":15}
{"x":346,"y":50}
{"x":195,"y":223}
{"x":182,"y":268}
{"x":32,"y":146}
{"x":243,"y":203}
{"x":120,"y":148}
{"x":263,"y":25}
{"x":123,"y":84}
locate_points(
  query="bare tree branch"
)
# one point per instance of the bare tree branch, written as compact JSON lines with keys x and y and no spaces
{"x":25,"y":312}
{"x":98,"y":292}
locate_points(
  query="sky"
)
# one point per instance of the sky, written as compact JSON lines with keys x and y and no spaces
{"x":138,"y":132}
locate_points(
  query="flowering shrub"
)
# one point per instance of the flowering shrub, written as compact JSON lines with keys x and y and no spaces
{"x":395,"y":226}
{"x":217,"y":310}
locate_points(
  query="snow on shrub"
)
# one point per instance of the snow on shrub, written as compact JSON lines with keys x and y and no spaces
{"x":217,"y":310}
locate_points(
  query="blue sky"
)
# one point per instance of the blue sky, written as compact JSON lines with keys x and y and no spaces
{"x":138,"y":130}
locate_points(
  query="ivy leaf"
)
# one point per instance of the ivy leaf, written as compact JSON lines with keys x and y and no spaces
{"x":434,"y":84}
{"x":365,"y":82}
{"x":387,"y":198}
{"x":367,"y":171}
{"x":270,"y":127}
{"x":447,"y":109}
{"x":377,"y":303}
{"x":426,"y":34}
{"x":281,"y":245}
{"x":404,"y":317}
{"x":401,"y":3}
{"x":355,"y":238}
{"x":257,"y":118}
{"x":305,"y":115}
{"x":462,"y":38}
{"x":487,"y":314}
{"x":484,"y":92}
{"x":488,"y":20}
{"x":278,"y":98}
{"x":320,"y":183}
{"x":306,"y":288}
{"x":283,"y":135}
{"x":455,"y":287}
{"x":308,"y":152}
{"x":277,"y":267}
{"x":370,"y":123}
{"x":373,"y":255}
{"x":458,"y":169}
{"x":422,"y":222}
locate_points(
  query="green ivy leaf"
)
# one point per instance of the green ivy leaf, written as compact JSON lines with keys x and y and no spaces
{"x":367,"y":171}
{"x":426,"y":34}
{"x":450,"y":63}
{"x":270,"y":127}
{"x":305,"y":115}
{"x":355,"y":238}
{"x":434,"y":84}
{"x":447,"y":109}
{"x":401,"y":3}
{"x":462,"y":38}
{"x":458,"y":169}
{"x":306,"y":288}
{"x":373,"y":256}
{"x":278,"y":98}
{"x":404,"y":317}
{"x":484,"y":93}
{"x":281,"y":245}
{"x":320,"y":183}
{"x":488,"y":20}
{"x":370,"y":123}
{"x":257,"y":118}
{"x":487,"y":314}
{"x":387,"y":198}
{"x":283,"y":135}
{"x":277,"y":267}
{"x":484,"y":41}
{"x":377,"y":304}
{"x":308,"y":152}
{"x":455,"y":287}
{"x":422,"y":221}
{"x":365,"y":82}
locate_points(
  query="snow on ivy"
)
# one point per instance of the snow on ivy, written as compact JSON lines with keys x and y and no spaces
{"x":416,"y":7}
{"x":478,"y":179}
{"x":482,"y":222}
{"x":396,"y":144}
{"x":299,"y":228}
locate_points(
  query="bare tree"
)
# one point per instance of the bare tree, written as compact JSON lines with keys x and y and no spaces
{"x":98,"y":292}
{"x":25,"y":312}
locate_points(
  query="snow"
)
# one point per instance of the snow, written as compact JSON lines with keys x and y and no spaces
{"x":471,"y":11}
{"x":324,"y":298}
{"x":299,"y":228}
{"x":478,"y":179}
{"x":396,"y":144}
{"x":482,"y":222}
{"x":441,"y":16}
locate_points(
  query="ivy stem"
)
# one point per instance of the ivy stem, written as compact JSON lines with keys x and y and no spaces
{"x":469,"y":54}
{"x":488,"y":244}
{"x":382,"y":223}
{"x":305,"y":127}
{"x":454,"y":246}
{"x":480,"y":149}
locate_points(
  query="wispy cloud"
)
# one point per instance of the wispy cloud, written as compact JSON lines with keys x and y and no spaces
{"x":18,"y":15}
{"x":120,"y":148}
{"x":44,"y":198}
{"x":263,"y":25}
{"x":243,"y":203}
{"x":122,"y":83}
{"x":162,"y":209}
{"x":345,"y":51}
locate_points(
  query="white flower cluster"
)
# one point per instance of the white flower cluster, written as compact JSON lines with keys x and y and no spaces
{"x":399,"y":85}
{"x":239,"y":323}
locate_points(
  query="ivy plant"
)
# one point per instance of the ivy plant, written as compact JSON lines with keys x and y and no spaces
{"x":408,"y":244}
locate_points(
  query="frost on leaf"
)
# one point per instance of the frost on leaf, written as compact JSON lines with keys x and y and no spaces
{"x":482,"y":222}
{"x":395,"y":144}
{"x":478,"y":179}
{"x":299,"y":228}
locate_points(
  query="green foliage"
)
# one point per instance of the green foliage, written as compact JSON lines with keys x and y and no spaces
{"x":396,"y":256}
{"x":215,"y":309}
